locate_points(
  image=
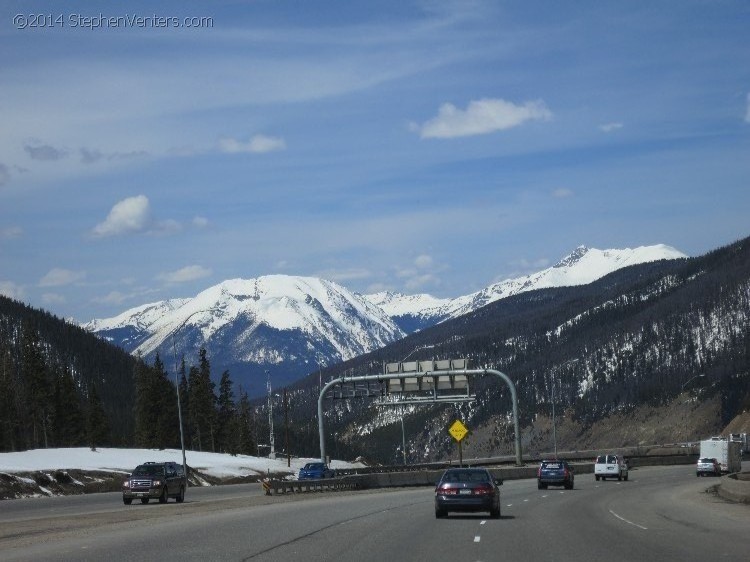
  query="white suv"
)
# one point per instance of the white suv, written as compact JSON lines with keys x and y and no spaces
{"x":610,"y":466}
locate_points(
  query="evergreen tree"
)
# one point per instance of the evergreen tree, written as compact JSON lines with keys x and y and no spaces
{"x":245,"y":426}
{"x":9,"y":411}
{"x":165,"y":399}
{"x":97,"y":424}
{"x":68,"y":423}
{"x":37,"y":387}
{"x":226,"y":416}
{"x":202,"y":404}
{"x":145,"y":407}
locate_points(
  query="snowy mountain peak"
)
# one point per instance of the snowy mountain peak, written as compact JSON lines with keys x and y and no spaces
{"x":290,"y":323}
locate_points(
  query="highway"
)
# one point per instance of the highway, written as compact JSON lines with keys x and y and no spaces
{"x":661,"y":513}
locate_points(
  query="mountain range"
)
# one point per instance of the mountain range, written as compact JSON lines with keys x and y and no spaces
{"x":286,"y":326}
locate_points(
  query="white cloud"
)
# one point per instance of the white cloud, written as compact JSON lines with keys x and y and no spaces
{"x":129,"y":215}
{"x":259,"y":144}
{"x":114,"y":297}
{"x":420,"y":281}
{"x":10,"y":232}
{"x":482,"y":117}
{"x":562,"y":193}
{"x":347,"y":274}
{"x":200,"y":222}
{"x":747,"y":114}
{"x":423,"y":261}
{"x":11,"y":290}
{"x":188,"y":273}
{"x":609,"y":127}
{"x":57,"y":277}
{"x":53,"y":298}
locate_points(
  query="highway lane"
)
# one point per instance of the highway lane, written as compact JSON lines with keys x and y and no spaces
{"x":661,"y":513}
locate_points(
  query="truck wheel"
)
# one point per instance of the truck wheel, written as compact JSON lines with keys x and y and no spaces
{"x":144,"y":500}
{"x":164,"y":497}
{"x":597,"y":477}
{"x":619,"y":477}
{"x":181,"y":496}
{"x":127,"y":501}
{"x":625,"y":477}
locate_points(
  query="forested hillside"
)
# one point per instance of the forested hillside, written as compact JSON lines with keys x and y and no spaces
{"x":61,"y":386}
{"x":639,"y":336}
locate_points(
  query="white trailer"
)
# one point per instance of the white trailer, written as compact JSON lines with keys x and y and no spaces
{"x":743,"y":438}
{"x":728,"y":453}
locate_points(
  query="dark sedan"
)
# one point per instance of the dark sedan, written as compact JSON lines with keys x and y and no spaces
{"x":555,"y":473}
{"x":467,"y":490}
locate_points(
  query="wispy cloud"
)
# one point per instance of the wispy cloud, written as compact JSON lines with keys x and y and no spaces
{"x":10,"y":232}
{"x":185,"y":274}
{"x":4,"y":174}
{"x":562,"y":193}
{"x":481,"y":117}
{"x":610,"y":127}
{"x":259,"y":144}
{"x":129,"y":215}
{"x":57,"y":277}
{"x":12,"y":290}
{"x":747,"y":113}
{"x":45,"y":152}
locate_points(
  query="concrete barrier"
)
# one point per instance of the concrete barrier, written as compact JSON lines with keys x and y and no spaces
{"x":735,"y":487}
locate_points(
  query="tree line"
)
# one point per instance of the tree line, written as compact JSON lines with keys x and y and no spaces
{"x":63,"y":387}
{"x":211,"y":420}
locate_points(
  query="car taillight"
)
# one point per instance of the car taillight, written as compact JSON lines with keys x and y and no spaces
{"x":539,"y":472}
{"x":484,"y":490}
{"x":566,"y":473}
{"x":447,"y":490}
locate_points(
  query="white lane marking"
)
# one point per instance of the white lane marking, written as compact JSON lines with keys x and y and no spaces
{"x":544,"y":496}
{"x":509,"y":505}
{"x":628,"y":522}
{"x":477,"y":538}
{"x":483,"y":522}
{"x":526,"y":500}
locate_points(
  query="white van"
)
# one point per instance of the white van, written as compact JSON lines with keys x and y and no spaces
{"x":610,"y":466}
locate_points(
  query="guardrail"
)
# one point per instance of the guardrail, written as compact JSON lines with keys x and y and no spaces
{"x":319,"y":485}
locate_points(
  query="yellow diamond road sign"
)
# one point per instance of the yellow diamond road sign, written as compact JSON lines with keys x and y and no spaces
{"x":458,"y":430}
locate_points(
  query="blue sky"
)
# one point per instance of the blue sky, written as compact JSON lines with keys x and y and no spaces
{"x":412,"y":146}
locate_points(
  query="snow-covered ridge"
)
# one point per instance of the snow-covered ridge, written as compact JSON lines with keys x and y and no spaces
{"x":582,"y":266}
{"x":318,"y":308}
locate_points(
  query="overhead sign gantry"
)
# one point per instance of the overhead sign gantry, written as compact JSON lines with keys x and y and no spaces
{"x":416,"y":382}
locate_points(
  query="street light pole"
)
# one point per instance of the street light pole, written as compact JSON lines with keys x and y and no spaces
{"x":179,"y":408}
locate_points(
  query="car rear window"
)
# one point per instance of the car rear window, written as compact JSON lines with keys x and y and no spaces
{"x":465,"y":476}
{"x":601,"y":459}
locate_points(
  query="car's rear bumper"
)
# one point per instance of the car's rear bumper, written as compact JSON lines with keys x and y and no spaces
{"x":466,"y":503}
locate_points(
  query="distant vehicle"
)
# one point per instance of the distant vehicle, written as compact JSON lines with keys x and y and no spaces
{"x":707,"y":467}
{"x":467,"y":490}
{"x":162,"y":480}
{"x":314,"y":471}
{"x":555,"y":473}
{"x":610,"y":466}
{"x":728,"y":453}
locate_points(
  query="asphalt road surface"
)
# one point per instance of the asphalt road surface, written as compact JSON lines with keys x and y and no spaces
{"x":661,"y":513}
